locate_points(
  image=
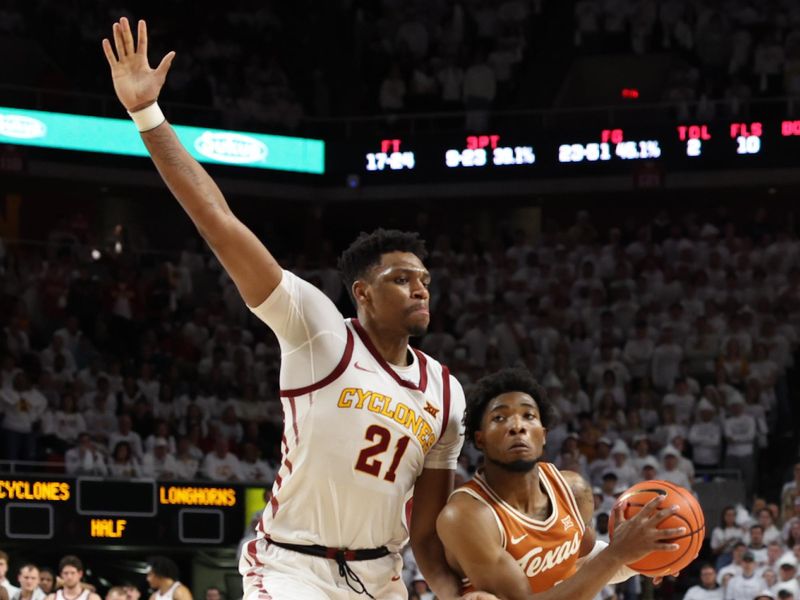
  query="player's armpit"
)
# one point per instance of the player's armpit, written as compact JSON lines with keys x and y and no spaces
{"x":471,"y":536}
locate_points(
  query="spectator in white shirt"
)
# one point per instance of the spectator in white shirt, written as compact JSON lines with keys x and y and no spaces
{"x":708,"y":589}
{"x":161,"y":432}
{"x":756,"y":544}
{"x":705,"y":436}
{"x":159,"y":463}
{"x":787,"y":575}
{"x":221,"y":465}
{"x":667,"y":356}
{"x":638,"y":351}
{"x":740,"y":434}
{"x":670,"y":471}
{"x":626,"y":473}
{"x":186,"y":461}
{"x":64,"y":424}
{"x":125,"y":433}
{"x":85,"y":458}
{"x":683,"y":401}
{"x":747,"y":585}
{"x":252,"y":468}
{"x":24,"y":406}
{"x":123,"y":462}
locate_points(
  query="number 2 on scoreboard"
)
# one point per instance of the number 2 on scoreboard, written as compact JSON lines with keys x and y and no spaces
{"x":382,"y":438}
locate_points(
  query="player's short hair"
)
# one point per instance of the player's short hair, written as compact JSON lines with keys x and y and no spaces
{"x":366,"y":250}
{"x":70,"y":560}
{"x":163,"y":566}
{"x":501,"y":382}
{"x":28,"y":565}
{"x":3,"y":556}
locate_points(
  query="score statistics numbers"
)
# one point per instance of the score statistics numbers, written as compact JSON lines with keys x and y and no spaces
{"x":390,"y":157}
{"x":612,"y":144}
{"x":481,"y":150}
{"x":747,"y":136}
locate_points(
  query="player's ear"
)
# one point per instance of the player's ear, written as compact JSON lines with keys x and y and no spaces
{"x":360,"y":290}
{"x":478,"y":440}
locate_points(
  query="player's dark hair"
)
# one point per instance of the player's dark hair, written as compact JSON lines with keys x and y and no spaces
{"x":506,"y":380}
{"x":163,"y":566}
{"x":70,"y":560}
{"x":366,"y":251}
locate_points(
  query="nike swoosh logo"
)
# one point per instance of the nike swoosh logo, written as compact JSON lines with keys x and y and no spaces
{"x":515,"y":541}
{"x":360,"y":368}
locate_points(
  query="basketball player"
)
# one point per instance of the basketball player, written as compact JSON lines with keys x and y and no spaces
{"x":367,"y":419}
{"x":28,"y":578}
{"x":70,"y":569}
{"x":521,"y":525}
{"x":162,"y":577}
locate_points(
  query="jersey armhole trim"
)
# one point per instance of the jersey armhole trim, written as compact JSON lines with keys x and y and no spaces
{"x":479,"y":498}
{"x":332,"y":376}
{"x":445,"y":400}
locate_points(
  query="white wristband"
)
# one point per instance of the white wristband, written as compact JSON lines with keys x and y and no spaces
{"x":148,"y":118}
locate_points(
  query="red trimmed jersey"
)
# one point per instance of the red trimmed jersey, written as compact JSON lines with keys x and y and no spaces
{"x":546,"y":551}
{"x":357,"y":431}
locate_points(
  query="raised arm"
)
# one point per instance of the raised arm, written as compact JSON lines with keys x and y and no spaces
{"x":253,"y":269}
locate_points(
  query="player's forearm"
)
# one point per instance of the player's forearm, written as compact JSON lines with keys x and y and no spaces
{"x":587,"y":582}
{"x":429,"y":554}
{"x":188,"y":181}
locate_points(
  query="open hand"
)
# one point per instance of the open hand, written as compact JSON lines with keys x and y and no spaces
{"x":137,"y":85}
{"x":639,"y":536}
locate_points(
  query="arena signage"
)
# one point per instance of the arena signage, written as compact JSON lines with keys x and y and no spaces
{"x":119,"y":136}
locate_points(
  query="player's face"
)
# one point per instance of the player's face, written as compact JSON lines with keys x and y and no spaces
{"x":512,"y":435}
{"x":707,"y":577}
{"x":152,"y":580}
{"x":71,"y":576}
{"x":46,"y":582}
{"x":396,"y":295}
{"x":29,"y":579}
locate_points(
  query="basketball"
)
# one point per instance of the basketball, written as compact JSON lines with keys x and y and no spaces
{"x":689,"y":516}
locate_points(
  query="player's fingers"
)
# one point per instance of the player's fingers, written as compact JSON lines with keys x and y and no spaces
{"x":165,"y":63}
{"x":127,"y":35}
{"x":667,"y":534}
{"x":110,"y":56}
{"x":664,"y":513}
{"x":118,"y":43}
{"x":650,"y":508}
{"x":141,"y":41}
{"x":657,"y":581}
{"x":619,"y":512}
{"x":666,"y":547}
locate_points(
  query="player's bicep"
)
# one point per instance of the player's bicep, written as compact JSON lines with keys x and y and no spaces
{"x":585,"y":500}
{"x":472,"y":538}
{"x":444,"y":453}
{"x":246,"y":259}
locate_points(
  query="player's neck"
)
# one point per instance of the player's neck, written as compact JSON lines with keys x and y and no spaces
{"x":165,"y":585}
{"x":523,"y":491}
{"x":72,"y":592}
{"x":391,"y":345}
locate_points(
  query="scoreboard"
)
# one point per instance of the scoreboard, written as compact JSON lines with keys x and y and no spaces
{"x":137,"y":512}
{"x":528,"y":153}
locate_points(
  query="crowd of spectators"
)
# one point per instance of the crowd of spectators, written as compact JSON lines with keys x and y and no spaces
{"x":665,"y":349}
{"x":731,"y":51}
{"x":423,"y":56}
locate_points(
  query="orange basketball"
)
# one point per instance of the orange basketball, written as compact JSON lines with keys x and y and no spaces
{"x":689,"y":515}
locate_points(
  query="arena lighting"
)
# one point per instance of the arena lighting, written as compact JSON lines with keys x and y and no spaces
{"x":119,"y":136}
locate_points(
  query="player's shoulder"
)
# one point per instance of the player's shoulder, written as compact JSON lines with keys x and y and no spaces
{"x":464,"y":505}
{"x":576,"y":482}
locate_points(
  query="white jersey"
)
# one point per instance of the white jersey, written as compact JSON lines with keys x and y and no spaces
{"x":83,"y":596}
{"x":357,"y":431}
{"x":168,"y":595}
